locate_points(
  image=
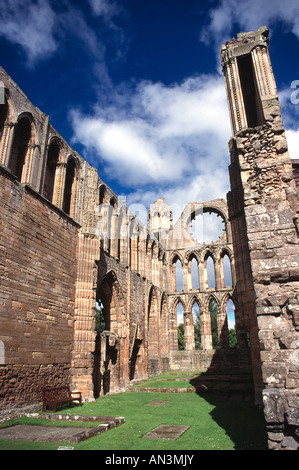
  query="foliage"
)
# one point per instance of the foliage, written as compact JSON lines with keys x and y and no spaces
{"x":232,"y":336}
{"x":181,"y":338}
{"x":100,"y":324}
{"x":214,"y":324}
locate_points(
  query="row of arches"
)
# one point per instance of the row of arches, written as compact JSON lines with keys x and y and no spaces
{"x":47,"y":166}
{"x":128,"y":347}
{"x":206,"y":325}
{"x":211,"y":272}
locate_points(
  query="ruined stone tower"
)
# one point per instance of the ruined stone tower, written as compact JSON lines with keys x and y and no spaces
{"x":263,"y":211}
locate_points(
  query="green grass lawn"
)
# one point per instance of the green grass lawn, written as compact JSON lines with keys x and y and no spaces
{"x":214,"y":424}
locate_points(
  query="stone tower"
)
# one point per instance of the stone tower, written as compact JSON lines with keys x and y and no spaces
{"x":160,"y":219}
{"x":263,"y":211}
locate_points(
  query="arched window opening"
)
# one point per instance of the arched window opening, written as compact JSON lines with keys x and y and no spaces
{"x":178,"y":275}
{"x":22,"y":136}
{"x":197,"y":326}
{"x":214,"y":323}
{"x":69,"y":185}
{"x":230,"y":312}
{"x":180,"y":326}
{"x":207,"y":227}
{"x":227,"y":273}
{"x":210,"y":267}
{"x":103,"y":199}
{"x":52,"y":159}
{"x":194,"y":274}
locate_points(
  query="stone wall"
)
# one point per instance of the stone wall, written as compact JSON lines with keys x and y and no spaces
{"x":38,"y":270}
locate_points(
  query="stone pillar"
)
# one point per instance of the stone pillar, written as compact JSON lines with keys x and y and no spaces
{"x":189,"y":331}
{"x":59,"y":182}
{"x":5,"y":143}
{"x":84,"y":321}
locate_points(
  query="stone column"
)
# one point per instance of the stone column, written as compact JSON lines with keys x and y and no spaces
{"x":6,"y":142}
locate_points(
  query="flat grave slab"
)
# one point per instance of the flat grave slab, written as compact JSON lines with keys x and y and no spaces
{"x":157,"y":403}
{"x":166,"y":431}
{"x":40,"y":433}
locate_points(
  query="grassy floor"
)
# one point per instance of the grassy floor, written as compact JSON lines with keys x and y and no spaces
{"x":214,"y":424}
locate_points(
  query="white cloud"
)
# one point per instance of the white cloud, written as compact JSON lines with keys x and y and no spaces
{"x":250,"y":16}
{"x":174,"y":136}
{"x":39,"y":28}
{"x":29,"y":25}
{"x":293,"y":142}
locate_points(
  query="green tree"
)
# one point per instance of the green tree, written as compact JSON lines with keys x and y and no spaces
{"x":214,"y":324}
{"x":100,"y":324}
{"x":232,"y":337}
{"x":197,"y":330}
{"x":181,"y":338}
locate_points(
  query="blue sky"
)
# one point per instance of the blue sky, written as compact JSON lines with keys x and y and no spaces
{"x":135,"y":86}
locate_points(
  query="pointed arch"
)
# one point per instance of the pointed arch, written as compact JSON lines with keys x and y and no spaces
{"x":111,"y":347}
{"x":53,"y":158}
{"x":209,"y":270}
{"x":176,"y":269}
{"x":23,"y":138}
{"x":213,"y":309}
{"x":71,"y":186}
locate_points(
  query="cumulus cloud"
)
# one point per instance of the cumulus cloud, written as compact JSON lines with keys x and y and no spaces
{"x":172,"y":139}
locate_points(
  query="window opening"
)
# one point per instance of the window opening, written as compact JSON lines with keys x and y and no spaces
{"x":211,"y":272}
{"x":21,"y":139}
{"x":214,"y":324}
{"x":194,"y":274}
{"x":180,"y":326}
{"x":68,"y":188}
{"x":197,"y":326}
{"x":251,"y":98}
{"x":178,"y":275}
{"x":231,"y":321}
{"x":227,"y":273}
{"x":53,"y":155}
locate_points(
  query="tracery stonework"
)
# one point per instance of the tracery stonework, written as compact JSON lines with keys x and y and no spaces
{"x":89,"y":294}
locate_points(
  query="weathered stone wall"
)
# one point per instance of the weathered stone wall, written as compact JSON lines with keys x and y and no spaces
{"x":263,"y":205}
{"x":38,"y":270}
{"x":211,"y":361}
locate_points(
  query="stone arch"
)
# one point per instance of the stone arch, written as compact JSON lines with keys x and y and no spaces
{"x":209,"y":271}
{"x":51,"y":190}
{"x":103,"y":194}
{"x":176,"y":271}
{"x":70,"y":196}
{"x":192,"y":262}
{"x":196,"y":319}
{"x":22,"y":146}
{"x":177,"y":301}
{"x":111,"y":347}
{"x":226,"y":270}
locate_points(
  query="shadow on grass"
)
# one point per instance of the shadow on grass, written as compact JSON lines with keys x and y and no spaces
{"x":234,"y":411}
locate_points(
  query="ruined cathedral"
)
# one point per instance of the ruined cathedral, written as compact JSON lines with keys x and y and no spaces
{"x":89,"y":294}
